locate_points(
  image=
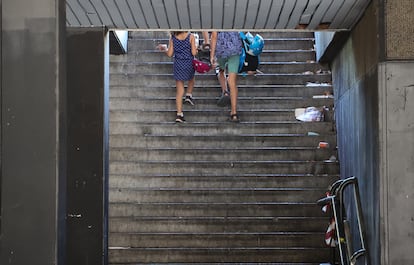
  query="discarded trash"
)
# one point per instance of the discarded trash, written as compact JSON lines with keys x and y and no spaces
{"x":323,"y":145}
{"x":313,"y":134}
{"x":323,"y":96}
{"x":308,"y":73}
{"x":331,"y":159}
{"x":326,"y":94}
{"x":320,"y":71}
{"x":317,"y":84}
{"x":299,"y":111}
{"x":309,"y":114}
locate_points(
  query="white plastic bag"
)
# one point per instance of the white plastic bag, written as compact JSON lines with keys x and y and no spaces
{"x":309,"y":114}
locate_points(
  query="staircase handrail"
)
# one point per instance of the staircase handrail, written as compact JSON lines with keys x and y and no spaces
{"x":336,"y":199}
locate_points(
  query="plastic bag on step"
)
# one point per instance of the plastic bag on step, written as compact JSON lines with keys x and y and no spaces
{"x":309,"y":114}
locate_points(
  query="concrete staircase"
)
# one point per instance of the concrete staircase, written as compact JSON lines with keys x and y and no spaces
{"x":211,"y":191}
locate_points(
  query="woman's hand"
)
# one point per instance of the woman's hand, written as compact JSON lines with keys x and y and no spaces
{"x":162,"y":47}
{"x":213,"y":62}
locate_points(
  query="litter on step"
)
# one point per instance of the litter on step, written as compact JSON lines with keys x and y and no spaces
{"x":309,"y":114}
{"x":310,"y":84}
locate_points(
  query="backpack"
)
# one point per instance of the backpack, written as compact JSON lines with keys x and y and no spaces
{"x":248,"y":62}
{"x":252,"y":44}
{"x":228,"y":44}
{"x":251,"y":49}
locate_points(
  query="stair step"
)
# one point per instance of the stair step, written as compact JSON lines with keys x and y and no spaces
{"x":217,"y":240}
{"x":217,"y":224}
{"x":128,"y":123}
{"x":229,"y":195}
{"x":214,"y":90}
{"x":265,"y":34}
{"x":210,"y":79}
{"x":219,"y":140}
{"x":282,"y":55}
{"x":275,"y":43}
{"x":218,"y":255}
{"x":221,"y":181}
{"x":287,"y":35}
{"x":227,"y":210}
{"x":265,"y":67}
{"x":190,"y":154}
{"x":226,"y":167}
{"x":203,"y":116}
{"x":246,"y":104}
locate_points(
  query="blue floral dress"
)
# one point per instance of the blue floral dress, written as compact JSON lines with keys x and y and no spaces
{"x":183,"y":59}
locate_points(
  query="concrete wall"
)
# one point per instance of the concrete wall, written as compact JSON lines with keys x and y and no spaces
{"x":396,"y":101}
{"x":375,"y":115}
{"x":399,"y":29}
{"x":33,"y":132}
{"x":322,"y":42}
{"x":396,"y":133}
{"x":355,"y":81}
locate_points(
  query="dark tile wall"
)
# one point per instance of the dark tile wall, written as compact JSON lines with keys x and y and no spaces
{"x":87,"y":144}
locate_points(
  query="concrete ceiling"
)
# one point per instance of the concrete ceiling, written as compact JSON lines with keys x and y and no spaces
{"x":266,"y":15}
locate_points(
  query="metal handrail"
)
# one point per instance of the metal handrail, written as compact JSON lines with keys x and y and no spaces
{"x":336,"y":200}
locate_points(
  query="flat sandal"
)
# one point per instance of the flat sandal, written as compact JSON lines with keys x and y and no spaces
{"x":234,"y":118}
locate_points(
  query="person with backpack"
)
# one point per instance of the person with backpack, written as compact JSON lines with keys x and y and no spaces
{"x":252,"y":48}
{"x":225,"y":50}
{"x":183,"y":47}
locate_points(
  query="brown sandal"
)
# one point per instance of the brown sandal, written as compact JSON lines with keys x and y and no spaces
{"x":234,"y":118}
{"x":205,"y":47}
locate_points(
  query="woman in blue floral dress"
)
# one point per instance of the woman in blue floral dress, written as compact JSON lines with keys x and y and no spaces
{"x":182,"y":46}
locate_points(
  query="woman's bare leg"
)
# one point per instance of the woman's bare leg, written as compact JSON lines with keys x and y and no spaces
{"x":179,"y":96}
{"x":232,"y":80}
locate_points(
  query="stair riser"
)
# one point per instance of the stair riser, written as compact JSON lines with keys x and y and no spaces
{"x":218,"y":141}
{"x":222,"y":116}
{"x":264,"y":34}
{"x":217,"y":225}
{"x":223,"y":255}
{"x":217,"y":155}
{"x":179,"y":210}
{"x":214,"y":196}
{"x":217,"y":240}
{"x":251,"y":104}
{"x":192,"y":116}
{"x":153,"y":55}
{"x":238,"y":181}
{"x":292,"y":35}
{"x":209,"y":79}
{"x":270,"y":44}
{"x":227,"y":168}
{"x":129,"y":125}
{"x":166,"y":67}
{"x":215,"y":90}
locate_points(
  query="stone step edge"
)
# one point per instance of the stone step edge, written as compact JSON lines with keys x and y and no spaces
{"x":214,"y":161}
{"x":292,"y":233}
{"x":209,"y":249}
{"x":230,"y":176}
{"x":222,"y":218}
{"x":237,"y":149}
{"x":242,"y":86}
{"x":261,"y":63}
